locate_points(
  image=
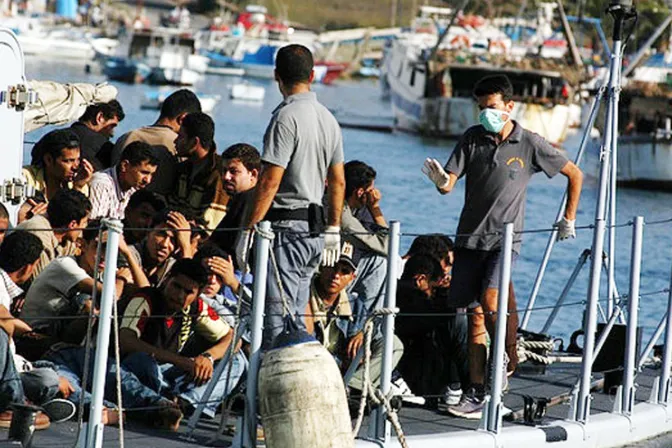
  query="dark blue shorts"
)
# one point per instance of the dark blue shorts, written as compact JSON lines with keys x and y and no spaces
{"x":474,"y":271}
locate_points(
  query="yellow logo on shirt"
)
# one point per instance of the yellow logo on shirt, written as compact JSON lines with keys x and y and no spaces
{"x":513,"y":160}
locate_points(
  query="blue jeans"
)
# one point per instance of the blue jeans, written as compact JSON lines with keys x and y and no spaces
{"x":41,"y":383}
{"x":376,"y":363}
{"x":298,"y":257}
{"x":70,"y":364}
{"x":168,"y":379}
{"x":11,"y":389}
{"x":369,"y":286}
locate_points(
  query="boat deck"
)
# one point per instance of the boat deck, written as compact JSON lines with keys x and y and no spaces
{"x":555,"y":384}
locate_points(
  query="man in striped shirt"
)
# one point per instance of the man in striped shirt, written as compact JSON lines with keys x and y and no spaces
{"x":111,"y":189}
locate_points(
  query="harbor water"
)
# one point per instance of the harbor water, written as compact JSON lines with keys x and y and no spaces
{"x":409,"y":197}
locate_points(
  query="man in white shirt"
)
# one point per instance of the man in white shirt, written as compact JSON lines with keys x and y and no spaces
{"x":111,"y":189}
{"x":65,"y":287}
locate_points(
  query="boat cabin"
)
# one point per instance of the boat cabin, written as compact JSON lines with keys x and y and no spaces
{"x":148,"y":45}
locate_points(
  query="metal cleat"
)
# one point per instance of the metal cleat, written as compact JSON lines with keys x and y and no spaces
{"x":18,"y":97}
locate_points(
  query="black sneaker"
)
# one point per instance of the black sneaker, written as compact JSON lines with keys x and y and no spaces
{"x":59,"y":410}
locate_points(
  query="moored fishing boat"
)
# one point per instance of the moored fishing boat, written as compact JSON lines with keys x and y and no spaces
{"x":159,"y":56}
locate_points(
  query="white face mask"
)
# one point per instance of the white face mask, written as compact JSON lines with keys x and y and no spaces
{"x":493,"y":119}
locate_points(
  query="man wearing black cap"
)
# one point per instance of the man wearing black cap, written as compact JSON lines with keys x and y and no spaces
{"x":329,"y":316}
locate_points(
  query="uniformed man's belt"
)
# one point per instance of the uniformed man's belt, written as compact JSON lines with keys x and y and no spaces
{"x":313,"y":214}
{"x":299,"y":214}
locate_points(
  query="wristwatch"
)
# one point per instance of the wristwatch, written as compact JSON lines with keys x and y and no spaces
{"x":208,"y":356}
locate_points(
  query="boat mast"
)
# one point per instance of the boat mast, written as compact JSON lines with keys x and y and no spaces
{"x":443,"y":35}
{"x":569,"y":36}
{"x":645,"y":48}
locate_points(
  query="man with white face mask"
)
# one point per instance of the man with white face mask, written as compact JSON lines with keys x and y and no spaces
{"x":498,"y":158}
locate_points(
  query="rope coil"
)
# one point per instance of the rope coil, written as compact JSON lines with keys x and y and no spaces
{"x":376,"y":395}
{"x":535,"y":351}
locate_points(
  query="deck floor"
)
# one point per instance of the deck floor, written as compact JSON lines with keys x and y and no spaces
{"x":557,"y":380}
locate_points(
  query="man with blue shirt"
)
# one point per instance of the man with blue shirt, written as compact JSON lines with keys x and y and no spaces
{"x":498,"y":158}
{"x":303,"y":149}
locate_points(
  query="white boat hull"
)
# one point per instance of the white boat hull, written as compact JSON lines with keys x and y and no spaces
{"x":225,"y":71}
{"x":154,"y":100}
{"x":57,"y":48}
{"x":262,"y":71}
{"x":180,"y":76}
{"x":247,"y":92}
{"x":643,"y":161}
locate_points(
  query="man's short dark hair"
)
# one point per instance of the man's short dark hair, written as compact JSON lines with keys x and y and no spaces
{"x":143,"y":196}
{"x":19,"y":249}
{"x":493,"y":84}
{"x":247,"y":154}
{"x":181,"y":102}
{"x":53,"y":143}
{"x":109,"y":110}
{"x":357,"y":175}
{"x":138,"y":152}
{"x":209,"y":250}
{"x":422,"y":264}
{"x":438,"y":246}
{"x":3,"y":211}
{"x":192,"y":269}
{"x":200,"y":125}
{"x":161,"y":217}
{"x":67,"y":206}
{"x":294,"y":64}
{"x":90,"y":233}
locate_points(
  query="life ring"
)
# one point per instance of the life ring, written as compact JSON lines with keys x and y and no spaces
{"x":460,"y":41}
{"x":497,"y":44}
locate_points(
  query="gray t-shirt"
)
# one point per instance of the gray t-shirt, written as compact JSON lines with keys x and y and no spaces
{"x":497,"y":178}
{"x":49,"y":292}
{"x":305,"y":139}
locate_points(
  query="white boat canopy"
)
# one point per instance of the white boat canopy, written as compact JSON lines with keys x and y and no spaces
{"x":59,"y":104}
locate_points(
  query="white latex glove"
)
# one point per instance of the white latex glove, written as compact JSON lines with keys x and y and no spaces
{"x":566,"y":228}
{"x":433,"y":169}
{"x":242,"y":248}
{"x":332,"y":246}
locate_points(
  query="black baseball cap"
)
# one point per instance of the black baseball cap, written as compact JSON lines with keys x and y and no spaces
{"x":350,"y":255}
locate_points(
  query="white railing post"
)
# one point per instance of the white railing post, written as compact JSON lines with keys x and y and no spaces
{"x":94,"y":429}
{"x":633,"y":309}
{"x":664,"y":390}
{"x":382,"y":424}
{"x":494,"y":423}
{"x":262,"y":245}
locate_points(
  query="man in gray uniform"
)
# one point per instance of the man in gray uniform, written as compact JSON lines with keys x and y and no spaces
{"x":498,"y":158}
{"x":303,"y":148}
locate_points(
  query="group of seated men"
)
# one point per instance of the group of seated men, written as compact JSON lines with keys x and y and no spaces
{"x":179,"y":289}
